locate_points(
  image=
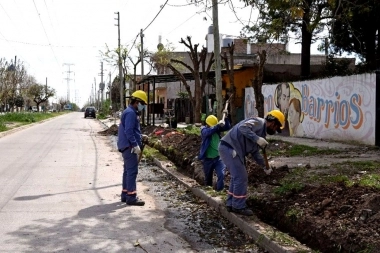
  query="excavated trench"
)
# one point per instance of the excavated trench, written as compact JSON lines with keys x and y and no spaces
{"x":327,"y":217}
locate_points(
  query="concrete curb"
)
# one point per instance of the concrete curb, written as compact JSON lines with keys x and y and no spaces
{"x":266,"y":236}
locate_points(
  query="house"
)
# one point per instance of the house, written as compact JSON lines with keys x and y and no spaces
{"x":280,"y":66}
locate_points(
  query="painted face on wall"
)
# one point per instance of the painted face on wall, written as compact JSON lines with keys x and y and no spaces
{"x":293,"y":116}
{"x":284,"y":98}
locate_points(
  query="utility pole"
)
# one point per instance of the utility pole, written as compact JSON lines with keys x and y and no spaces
{"x":110,"y":89}
{"x":218,"y":74}
{"x":101,"y":86}
{"x":122,"y":104}
{"x":68,"y":79}
{"x":142,"y":53}
{"x":142,"y":71}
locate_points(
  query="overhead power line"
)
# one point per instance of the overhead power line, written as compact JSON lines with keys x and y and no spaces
{"x":47,"y":37}
{"x":162,"y":7}
{"x":134,"y":42}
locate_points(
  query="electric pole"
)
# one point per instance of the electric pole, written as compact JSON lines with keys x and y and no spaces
{"x":218,"y":74}
{"x":101,"y":86}
{"x":68,"y":79}
{"x":122,"y":105}
{"x":110,"y":89}
{"x":142,"y":54}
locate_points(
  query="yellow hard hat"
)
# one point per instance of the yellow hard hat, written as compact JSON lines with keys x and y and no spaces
{"x":211,"y":120}
{"x":279,"y":116}
{"x":141,"y":95}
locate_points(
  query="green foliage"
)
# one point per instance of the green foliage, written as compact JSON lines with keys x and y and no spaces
{"x":2,"y":126}
{"x":371,"y":180}
{"x":336,"y":67}
{"x":24,"y":118}
{"x":20,"y":117}
{"x":101,"y":115}
{"x":288,"y":187}
{"x":303,"y":150}
{"x":191,"y":130}
{"x":183,"y":94}
{"x":294,"y":214}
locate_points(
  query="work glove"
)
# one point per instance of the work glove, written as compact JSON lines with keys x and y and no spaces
{"x":262,"y":142}
{"x":144,"y":137}
{"x":136,"y":150}
{"x":221,"y":123}
{"x":225,"y":112}
{"x":267,"y":171}
{"x":233,"y":153}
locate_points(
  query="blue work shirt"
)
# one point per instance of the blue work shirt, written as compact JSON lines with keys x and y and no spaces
{"x":243,"y":138}
{"x":129,"y":132}
{"x":207,"y":132}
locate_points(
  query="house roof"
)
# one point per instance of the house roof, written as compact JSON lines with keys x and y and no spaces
{"x":170,"y":78}
{"x":174,"y":78}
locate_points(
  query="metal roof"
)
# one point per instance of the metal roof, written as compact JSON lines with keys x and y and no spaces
{"x":171,"y":78}
{"x":188,"y":76}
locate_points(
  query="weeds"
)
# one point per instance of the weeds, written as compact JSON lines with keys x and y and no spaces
{"x":371,"y":180}
{"x":191,"y":130}
{"x":24,"y":118}
{"x":288,"y":187}
{"x":151,"y":153}
{"x":294,"y":214}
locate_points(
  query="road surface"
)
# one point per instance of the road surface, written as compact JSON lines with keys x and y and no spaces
{"x":60,"y":186}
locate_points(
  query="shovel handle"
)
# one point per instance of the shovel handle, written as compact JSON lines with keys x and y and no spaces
{"x":265,"y":158}
{"x":141,"y":153}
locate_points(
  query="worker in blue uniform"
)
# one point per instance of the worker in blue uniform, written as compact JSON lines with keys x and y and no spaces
{"x":209,"y":154}
{"x":129,"y":144}
{"x":243,"y":139}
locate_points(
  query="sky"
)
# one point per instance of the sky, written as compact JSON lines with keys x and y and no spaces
{"x":59,"y":41}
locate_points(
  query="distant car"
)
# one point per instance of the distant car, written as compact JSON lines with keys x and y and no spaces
{"x":90,"y":112}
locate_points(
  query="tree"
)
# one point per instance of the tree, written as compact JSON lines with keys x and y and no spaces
{"x":356,"y":29}
{"x":257,"y":83}
{"x":229,"y":65}
{"x":62,"y":102}
{"x":40,"y":93}
{"x":198,"y":60}
{"x":112,"y":57}
{"x":305,"y":18}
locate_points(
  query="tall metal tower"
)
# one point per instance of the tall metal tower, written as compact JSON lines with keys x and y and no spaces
{"x":68,"y":79}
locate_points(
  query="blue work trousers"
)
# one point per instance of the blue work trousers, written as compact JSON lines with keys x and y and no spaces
{"x":209,"y":166}
{"x":237,"y":192}
{"x":130,"y":175}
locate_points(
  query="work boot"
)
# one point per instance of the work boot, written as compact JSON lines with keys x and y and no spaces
{"x":137,"y":202}
{"x":243,"y":211}
{"x":123,"y":197}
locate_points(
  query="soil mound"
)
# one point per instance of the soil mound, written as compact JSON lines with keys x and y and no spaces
{"x":327,"y":208}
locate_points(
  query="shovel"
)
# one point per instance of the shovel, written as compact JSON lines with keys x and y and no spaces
{"x":266,"y":158}
{"x":140,"y":155}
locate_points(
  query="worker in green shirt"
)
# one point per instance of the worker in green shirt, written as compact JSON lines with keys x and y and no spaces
{"x":209,"y":154}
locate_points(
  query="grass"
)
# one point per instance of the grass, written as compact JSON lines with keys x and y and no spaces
{"x":151,"y":153}
{"x":288,"y":186}
{"x":191,"y":130}
{"x":371,"y":180}
{"x":23,"y":118}
{"x":303,"y":150}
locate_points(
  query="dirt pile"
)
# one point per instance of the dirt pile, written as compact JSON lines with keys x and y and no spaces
{"x":112,"y":130}
{"x":333,"y":208}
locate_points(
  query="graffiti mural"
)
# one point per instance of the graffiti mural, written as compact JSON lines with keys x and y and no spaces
{"x":340,"y":108}
{"x":249,"y":103}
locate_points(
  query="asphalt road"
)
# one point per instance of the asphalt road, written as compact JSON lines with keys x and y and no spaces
{"x":60,"y":185}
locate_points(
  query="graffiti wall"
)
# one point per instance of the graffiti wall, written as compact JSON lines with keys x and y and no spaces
{"x":339,"y":108}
